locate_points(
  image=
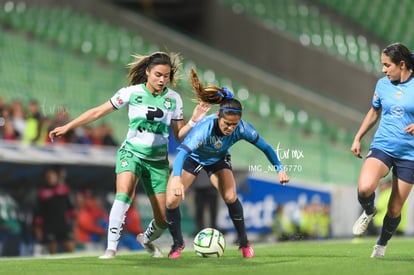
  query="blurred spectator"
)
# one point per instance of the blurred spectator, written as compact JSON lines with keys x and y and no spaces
{"x":18,"y":117}
{"x":7,"y":129}
{"x":8,"y":132}
{"x":10,"y":226}
{"x":286,"y":226}
{"x":96,"y":136}
{"x":60,"y":118}
{"x":107,"y":135}
{"x":54,"y":214}
{"x":32,"y":127}
{"x":315,"y":223}
{"x":92,"y":220}
{"x":3,"y":114}
{"x":132,"y":228}
{"x":302,"y":221}
{"x":2,"y":104}
{"x":84,"y":135}
{"x":36,"y":130}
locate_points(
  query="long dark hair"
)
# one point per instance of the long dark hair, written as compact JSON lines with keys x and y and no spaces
{"x":137,"y":69}
{"x":215,"y":95}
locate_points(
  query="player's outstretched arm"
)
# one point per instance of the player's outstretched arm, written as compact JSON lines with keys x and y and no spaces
{"x":85,"y":118}
{"x":273,"y":158}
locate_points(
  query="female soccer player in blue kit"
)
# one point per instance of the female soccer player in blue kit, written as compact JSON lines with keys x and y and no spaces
{"x":393,"y":143}
{"x":207,"y":147}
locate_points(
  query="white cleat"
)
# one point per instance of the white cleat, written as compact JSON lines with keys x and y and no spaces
{"x":109,"y":254}
{"x":361,"y":225}
{"x":379,"y":251}
{"x":151,"y":248}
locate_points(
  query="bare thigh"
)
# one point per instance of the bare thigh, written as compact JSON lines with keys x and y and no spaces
{"x":371,"y":172}
{"x":126,"y":182}
{"x":224,"y":180}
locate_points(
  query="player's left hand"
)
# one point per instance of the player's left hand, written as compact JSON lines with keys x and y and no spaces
{"x":283,"y":177}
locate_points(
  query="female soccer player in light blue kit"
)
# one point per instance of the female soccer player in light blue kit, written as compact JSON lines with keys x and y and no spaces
{"x":393,"y":143}
{"x":207,"y":147}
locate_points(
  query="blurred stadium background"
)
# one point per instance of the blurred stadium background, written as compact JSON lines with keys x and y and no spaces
{"x":304,"y":70}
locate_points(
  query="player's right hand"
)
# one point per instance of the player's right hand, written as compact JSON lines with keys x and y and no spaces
{"x":57,"y":132}
{"x":356,"y":149}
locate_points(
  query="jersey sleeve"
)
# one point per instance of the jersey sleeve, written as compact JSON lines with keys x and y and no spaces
{"x":197,"y":136}
{"x":248,"y":132}
{"x":121,"y":98}
{"x":270,"y":153}
{"x":178,"y":113}
{"x":376,"y":99}
{"x":251,"y":135}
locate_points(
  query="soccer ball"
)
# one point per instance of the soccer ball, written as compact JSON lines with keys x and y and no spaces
{"x":209,"y":243}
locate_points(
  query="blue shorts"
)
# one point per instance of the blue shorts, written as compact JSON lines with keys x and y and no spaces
{"x":193,"y":167}
{"x":402,"y":169}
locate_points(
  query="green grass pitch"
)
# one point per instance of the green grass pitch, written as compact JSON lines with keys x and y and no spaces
{"x":302,"y":257}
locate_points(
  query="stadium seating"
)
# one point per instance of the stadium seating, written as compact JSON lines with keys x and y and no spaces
{"x":68,"y":58}
{"x":305,"y":23}
{"x":375,"y":16}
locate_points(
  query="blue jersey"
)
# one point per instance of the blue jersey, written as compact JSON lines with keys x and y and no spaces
{"x":206,"y":144}
{"x":397,"y":103}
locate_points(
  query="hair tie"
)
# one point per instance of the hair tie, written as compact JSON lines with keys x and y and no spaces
{"x":228,"y":94}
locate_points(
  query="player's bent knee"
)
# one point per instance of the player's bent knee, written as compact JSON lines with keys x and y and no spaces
{"x":173,"y":202}
{"x":230,"y":199}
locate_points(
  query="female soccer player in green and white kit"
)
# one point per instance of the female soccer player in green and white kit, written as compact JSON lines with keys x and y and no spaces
{"x":143,"y":156}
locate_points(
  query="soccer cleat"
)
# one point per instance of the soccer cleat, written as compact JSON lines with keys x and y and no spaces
{"x":247,"y":252}
{"x":361,"y":225}
{"x":176,"y":251}
{"x":151,"y":248}
{"x":379,"y":251}
{"x":109,"y":254}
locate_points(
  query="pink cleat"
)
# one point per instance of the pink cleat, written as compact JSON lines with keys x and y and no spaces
{"x":247,"y":252}
{"x":175,"y":252}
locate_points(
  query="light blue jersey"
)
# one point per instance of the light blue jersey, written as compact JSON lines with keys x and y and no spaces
{"x":207,"y":145}
{"x":397,"y":103}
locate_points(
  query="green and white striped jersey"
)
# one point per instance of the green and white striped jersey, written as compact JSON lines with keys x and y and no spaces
{"x":149,"y":119}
